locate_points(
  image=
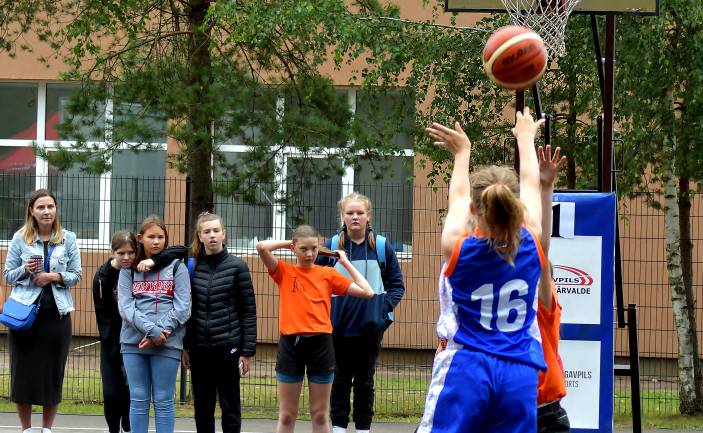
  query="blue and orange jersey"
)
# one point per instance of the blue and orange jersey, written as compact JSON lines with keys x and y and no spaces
{"x":490,"y":305}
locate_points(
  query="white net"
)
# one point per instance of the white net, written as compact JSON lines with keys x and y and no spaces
{"x":546,"y":17}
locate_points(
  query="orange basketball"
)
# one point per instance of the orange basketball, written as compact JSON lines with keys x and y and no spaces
{"x":515,"y":57}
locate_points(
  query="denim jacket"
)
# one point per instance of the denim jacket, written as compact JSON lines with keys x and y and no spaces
{"x":65,"y":260}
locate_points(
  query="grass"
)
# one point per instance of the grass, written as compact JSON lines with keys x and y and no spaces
{"x":399,"y":398}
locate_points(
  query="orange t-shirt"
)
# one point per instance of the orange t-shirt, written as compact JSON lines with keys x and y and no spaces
{"x":551,"y":385}
{"x":306,"y":297}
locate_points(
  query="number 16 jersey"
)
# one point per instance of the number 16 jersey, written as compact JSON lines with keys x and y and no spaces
{"x":490,"y":305}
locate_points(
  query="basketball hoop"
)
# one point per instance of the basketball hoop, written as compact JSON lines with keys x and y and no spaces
{"x":546,"y":17}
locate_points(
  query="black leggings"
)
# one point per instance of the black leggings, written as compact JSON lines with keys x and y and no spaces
{"x":115,"y":393}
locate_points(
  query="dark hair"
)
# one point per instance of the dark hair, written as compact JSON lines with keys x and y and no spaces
{"x":122,"y":238}
{"x":149,"y":222}
{"x":495,"y":194}
{"x":30,"y":228}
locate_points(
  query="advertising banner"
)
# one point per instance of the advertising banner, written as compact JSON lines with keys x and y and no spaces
{"x":582,"y":252}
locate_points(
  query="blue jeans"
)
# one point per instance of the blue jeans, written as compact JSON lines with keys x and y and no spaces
{"x":144,"y":373}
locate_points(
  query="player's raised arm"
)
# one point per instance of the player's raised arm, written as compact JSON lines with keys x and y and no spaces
{"x":549,"y":165}
{"x":266,"y":249}
{"x":456,"y":142}
{"x":525,"y":131}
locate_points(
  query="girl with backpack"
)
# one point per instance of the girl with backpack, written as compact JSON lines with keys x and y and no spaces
{"x":154,"y":306}
{"x":359,"y":324}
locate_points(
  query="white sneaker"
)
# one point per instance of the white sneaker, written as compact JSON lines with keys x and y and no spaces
{"x":363,"y":431}
{"x":336,"y":429}
{"x":29,"y":430}
{"x":45,"y":430}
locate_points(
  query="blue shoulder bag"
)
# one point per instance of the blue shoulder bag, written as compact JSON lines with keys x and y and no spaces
{"x":18,"y":316}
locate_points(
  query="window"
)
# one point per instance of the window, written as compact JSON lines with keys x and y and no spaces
{"x":392,"y":199}
{"x":316,"y":186}
{"x":246,"y":221}
{"x":90,"y":205}
{"x":58,"y":96}
{"x":314,"y":183}
{"x":137,"y":187}
{"x":17,"y":181}
{"x":78,"y":195}
{"x":18,"y":111}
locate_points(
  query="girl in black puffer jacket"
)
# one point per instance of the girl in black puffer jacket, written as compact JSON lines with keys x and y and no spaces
{"x":221,"y":332}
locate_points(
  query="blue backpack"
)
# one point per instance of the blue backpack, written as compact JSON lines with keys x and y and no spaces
{"x":380,"y":252}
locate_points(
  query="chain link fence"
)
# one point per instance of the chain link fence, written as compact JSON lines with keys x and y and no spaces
{"x":94,"y":207}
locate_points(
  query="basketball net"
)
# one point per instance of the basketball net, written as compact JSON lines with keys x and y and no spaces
{"x":546,"y":17}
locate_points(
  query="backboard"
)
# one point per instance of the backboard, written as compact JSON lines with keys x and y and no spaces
{"x":636,"y":7}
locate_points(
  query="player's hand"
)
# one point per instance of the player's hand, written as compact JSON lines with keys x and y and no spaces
{"x":549,"y":164}
{"x":145,"y":265}
{"x":185,"y":359}
{"x":454,"y":140}
{"x":146,"y":343}
{"x":525,"y":125}
{"x":342,"y":257}
{"x":161,"y":339}
{"x":244,"y":365}
{"x":43,"y":278}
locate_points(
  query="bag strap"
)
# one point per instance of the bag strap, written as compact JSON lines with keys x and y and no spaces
{"x":191,"y":266}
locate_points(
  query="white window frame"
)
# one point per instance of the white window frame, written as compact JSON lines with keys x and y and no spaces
{"x":279,"y":211}
{"x":102,"y":242}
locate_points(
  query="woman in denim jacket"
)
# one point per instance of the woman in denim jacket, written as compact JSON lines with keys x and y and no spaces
{"x":38,"y":355}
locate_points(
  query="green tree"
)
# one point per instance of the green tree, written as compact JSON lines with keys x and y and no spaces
{"x":205,"y":66}
{"x":660,"y":84}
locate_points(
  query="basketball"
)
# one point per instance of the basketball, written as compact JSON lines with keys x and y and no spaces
{"x":514,"y":57}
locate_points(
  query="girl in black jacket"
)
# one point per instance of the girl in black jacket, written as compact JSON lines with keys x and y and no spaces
{"x":221,"y":333}
{"x":115,"y":389}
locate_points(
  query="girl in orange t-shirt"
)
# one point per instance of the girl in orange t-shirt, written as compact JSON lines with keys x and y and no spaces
{"x":551,"y":416}
{"x":305,"y":291}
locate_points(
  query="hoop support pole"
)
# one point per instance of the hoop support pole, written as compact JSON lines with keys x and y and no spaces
{"x":599,"y":56}
{"x":519,"y":106}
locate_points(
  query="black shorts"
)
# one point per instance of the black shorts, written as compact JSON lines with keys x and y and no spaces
{"x":552,"y":418}
{"x":298,"y":353}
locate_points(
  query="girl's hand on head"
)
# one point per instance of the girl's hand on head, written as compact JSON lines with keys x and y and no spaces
{"x":549,"y":164}
{"x":454,"y":140}
{"x":342,"y":256}
{"x":526,"y":125}
{"x":145,"y":265}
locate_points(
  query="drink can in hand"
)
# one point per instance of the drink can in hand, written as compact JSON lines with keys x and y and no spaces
{"x":38,"y":261}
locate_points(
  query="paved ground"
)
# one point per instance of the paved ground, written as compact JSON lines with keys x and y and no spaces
{"x":96,"y":424}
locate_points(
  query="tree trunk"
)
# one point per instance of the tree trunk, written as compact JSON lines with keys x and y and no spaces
{"x":688,"y":403}
{"x":199,"y":149}
{"x":684,"y":203}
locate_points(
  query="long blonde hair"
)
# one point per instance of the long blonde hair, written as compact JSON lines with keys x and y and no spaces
{"x":495,"y":196}
{"x":196,"y":246}
{"x":30,"y":228}
{"x":366,"y":202}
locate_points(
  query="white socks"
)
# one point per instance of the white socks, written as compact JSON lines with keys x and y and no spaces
{"x":336,"y":429}
{"x":45,"y":430}
{"x":362,"y":431}
{"x":29,"y":430}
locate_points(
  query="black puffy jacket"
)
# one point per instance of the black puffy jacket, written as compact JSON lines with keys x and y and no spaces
{"x":223,"y":311}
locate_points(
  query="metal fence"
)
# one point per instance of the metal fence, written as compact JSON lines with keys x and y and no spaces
{"x":94,"y":207}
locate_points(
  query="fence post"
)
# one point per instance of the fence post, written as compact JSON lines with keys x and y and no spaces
{"x":186,"y":233}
